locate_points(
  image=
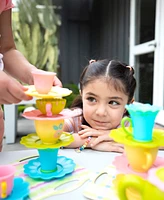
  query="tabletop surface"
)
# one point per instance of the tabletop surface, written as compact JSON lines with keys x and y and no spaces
{"x":94,"y":161}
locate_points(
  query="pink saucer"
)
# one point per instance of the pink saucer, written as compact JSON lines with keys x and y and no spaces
{"x":122,"y":165}
{"x":37,"y":115}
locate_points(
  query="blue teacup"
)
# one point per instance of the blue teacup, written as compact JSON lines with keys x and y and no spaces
{"x":142,"y":121}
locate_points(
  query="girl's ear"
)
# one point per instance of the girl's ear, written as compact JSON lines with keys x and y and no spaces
{"x":132,"y":100}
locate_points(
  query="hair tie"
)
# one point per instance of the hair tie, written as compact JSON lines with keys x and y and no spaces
{"x":91,"y":61}
{"x":129,"y":67}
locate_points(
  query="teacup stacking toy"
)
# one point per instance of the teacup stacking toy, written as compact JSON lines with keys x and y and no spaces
{"x":49,"y":136}
{"x":140,"y":140}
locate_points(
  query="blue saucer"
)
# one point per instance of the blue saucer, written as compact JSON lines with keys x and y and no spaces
{"x":64,"y":166}
{"x":20,"y":190}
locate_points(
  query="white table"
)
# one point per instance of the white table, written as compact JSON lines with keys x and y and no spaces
{"x":92,"y":160}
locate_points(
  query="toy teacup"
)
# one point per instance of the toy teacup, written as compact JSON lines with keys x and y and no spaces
{"x":153,"y":188}
{"x":142,"y":121}
{"x":131,"y":193}
{"x":140,"y":158}
{"x":49,"y":131}
{"x":6,"y":180}
{"x":50,"y":106}
{"x":43,"y":81}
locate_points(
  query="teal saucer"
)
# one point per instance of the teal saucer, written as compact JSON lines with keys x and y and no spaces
{"x":64,"y":166}
{"x":20,"y":190}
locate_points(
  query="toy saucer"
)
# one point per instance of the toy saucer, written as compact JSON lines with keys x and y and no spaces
{"x":20,"y":189}
{"x":120,"y":136}
{"x":56,"y":92}
{"x":33,"y":141}
{"x":122,"y":165}
{"x":37,"y":115}
{"x":64,"y":166}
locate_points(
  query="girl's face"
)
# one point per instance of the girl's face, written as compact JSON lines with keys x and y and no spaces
{"x":103,"y":106}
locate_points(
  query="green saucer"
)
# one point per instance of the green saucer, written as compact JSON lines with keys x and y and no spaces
{"x":33,"y":141}
{"x":120,"y":136}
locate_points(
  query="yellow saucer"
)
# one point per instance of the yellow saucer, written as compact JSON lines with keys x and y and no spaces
{"x":120,"y":136}
{"x":56,"y":92}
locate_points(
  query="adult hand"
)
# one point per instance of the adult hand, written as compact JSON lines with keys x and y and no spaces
{"x":11,"y":91}
{"x":57,"y":82}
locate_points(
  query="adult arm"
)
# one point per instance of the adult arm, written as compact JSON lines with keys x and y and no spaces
{"x":15,"y":63}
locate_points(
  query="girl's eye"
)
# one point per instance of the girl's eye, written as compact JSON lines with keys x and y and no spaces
{"x":91,"y":99}
{"x":114,"y":103}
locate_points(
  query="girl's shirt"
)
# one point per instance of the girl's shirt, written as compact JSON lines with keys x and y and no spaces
{"x":73,"y":125}
{"x":5,"y":5}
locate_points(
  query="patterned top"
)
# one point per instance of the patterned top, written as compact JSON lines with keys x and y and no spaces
{"x":1,"y":62}
{"x":5,"y":5}
{"x":73,"y":125}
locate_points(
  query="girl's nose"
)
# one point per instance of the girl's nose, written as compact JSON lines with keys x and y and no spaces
{"x":101,"y":110}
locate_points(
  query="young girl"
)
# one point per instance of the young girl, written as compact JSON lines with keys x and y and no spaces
{"x":105,"y":88}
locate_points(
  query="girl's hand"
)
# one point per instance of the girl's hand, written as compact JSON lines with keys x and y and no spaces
{"x":100,"y":135}
{"x":88,"y":131}
{"x":109,"y":147}
{"x":102,"y":138}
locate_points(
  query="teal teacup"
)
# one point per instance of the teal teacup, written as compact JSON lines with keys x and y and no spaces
{"x":142,"y":119}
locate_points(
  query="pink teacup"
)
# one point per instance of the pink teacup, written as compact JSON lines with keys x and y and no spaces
{"x":43,"y":81}
{"x":6,"y":180}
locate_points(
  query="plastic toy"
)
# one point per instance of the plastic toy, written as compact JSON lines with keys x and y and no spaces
{"x":133,"y":187}
{"x":49,"y":136}
{"x":6,"y":180}
{"x":140,"y":154}
{"x":144,"y":174}
{"x":43,"y":81}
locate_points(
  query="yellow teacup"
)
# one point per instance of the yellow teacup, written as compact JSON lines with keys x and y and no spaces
{"x":140,"y":158}
{"x":131,"y":193}
{"x":139,"y":188}
{"x":50,"y":106}
{"x":49,"y":131}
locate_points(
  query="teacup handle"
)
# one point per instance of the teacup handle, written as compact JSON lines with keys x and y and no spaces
{"x":149,"y":161}
{"x":129,"y":181}
{"x":123,"y":124}
{"x":48,"y":109}
{"x":4,"y":189}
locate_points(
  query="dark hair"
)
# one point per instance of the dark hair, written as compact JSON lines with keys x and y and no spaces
{"x":115,"y":72}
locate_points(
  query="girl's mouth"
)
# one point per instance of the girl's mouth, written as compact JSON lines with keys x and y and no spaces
{"x":99,"y":123}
